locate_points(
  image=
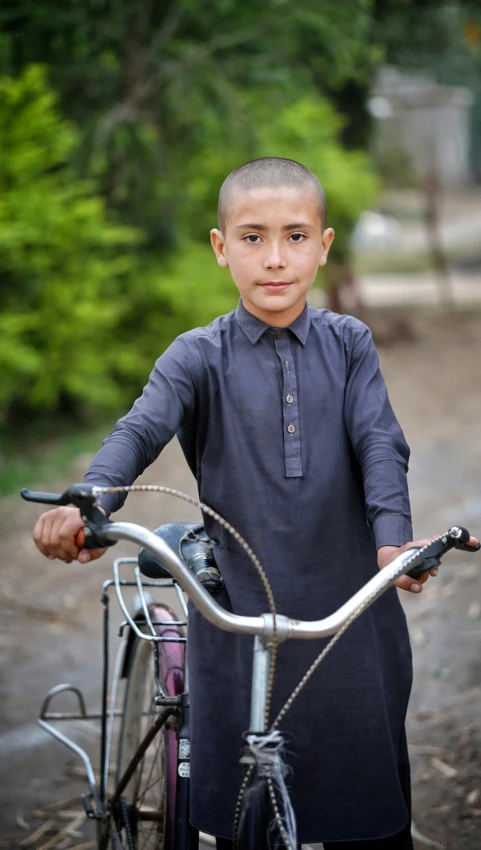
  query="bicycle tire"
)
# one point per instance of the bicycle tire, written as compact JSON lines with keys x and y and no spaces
{"x":150,"y":793}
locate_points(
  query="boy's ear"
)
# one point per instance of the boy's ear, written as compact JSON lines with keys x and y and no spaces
{"x":327,"y":240}
{"x":218,"y":243}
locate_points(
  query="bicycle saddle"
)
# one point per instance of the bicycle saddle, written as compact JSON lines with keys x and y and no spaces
{"x":191,"y":543}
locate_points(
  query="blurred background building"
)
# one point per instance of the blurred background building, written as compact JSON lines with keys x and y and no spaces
{"x":426,"y":123}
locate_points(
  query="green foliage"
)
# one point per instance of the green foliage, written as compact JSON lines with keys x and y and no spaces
{"x":104,"y":217}
{"x":83,"y":311}
{"x":152,"y":84}
{"x":85,"y":307}
{"x":61,"y":262}
{"x":166,"y":297}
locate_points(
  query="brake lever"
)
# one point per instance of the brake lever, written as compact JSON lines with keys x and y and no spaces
{"x":429,"y":563}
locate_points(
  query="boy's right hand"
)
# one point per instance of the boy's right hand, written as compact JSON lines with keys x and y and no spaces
{"x":55,"y":533}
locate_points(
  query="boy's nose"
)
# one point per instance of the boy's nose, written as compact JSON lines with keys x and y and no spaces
{"x":275,"y":258}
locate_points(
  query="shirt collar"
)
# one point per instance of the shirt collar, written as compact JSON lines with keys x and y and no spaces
{"x":254,"y":328}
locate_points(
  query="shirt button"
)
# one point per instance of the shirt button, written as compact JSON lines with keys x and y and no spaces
{"x":278,"y":334}
{"x":289,"y":399}
{"x":291,"y":428}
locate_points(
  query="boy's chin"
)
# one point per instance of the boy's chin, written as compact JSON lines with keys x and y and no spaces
{"x":281,"y":300}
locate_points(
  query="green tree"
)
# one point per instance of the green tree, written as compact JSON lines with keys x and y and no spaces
{"x":62,"y":263}
{"x":150,"y":84}
{"x":162,"y":103}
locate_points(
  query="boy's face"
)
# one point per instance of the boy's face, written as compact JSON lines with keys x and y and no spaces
{"x":273,"y":243}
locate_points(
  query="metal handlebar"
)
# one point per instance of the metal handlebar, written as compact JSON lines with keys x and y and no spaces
{"x":107,"y":533}
{"x":286,"y":627}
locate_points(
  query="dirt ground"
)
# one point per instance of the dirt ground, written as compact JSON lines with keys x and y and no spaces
{"x":51,"y":617}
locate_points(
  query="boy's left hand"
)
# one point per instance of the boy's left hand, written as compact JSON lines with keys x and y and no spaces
{"x":386,"y":554}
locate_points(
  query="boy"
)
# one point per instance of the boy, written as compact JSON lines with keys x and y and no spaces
{"x":285,"y":421}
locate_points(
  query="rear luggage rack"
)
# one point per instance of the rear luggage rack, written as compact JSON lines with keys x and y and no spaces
{"x":94,"y":801}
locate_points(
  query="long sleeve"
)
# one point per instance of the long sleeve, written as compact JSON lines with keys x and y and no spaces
{"x":139,"y":437}
{"x":379,"y":445}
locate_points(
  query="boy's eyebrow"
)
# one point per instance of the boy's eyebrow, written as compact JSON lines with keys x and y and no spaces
{"x":302,"y":225}
{"x":298,"y":225}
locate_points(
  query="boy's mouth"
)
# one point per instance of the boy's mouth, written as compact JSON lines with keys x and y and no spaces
{"x":275,"y":285}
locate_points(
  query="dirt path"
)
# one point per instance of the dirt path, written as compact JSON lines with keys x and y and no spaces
{"x":51,"y":615}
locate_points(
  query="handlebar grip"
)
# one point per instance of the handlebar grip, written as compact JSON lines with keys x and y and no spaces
{"x":84,"y":541}
{"x":90,"y":541}
{"x":44,"y":498}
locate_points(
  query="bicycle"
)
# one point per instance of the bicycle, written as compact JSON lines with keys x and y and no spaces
{"x":149,"y":804}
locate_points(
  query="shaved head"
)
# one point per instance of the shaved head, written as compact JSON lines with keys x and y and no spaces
{"x":270,"y":172}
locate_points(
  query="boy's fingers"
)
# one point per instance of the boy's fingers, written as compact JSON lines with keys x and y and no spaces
{"x":86,"y":555}
{"x":409,"y":584}
{"x":38,"y":537}
{"x":54,"y":533}
{"x":67,"y":533}
{"x":52,"y":536}
{"x":55,"y":536}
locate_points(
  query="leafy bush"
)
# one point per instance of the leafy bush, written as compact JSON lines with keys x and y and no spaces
{"x":167,"y":296}
{"x":84,"y":309}
{"x":61,"y":263}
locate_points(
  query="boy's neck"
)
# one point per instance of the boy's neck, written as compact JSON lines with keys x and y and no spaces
{"x":281,"y":319}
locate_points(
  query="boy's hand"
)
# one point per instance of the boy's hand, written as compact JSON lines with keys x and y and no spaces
{"x":386,"y":554}
{"x":55,"y":533}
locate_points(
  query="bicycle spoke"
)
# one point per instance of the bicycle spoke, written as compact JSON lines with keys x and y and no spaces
{"x":149,"y":834}
{"x":152,"y":766}
{"x":150,"y":784}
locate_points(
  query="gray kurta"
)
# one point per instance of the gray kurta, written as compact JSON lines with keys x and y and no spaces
{"x":292,"y":438}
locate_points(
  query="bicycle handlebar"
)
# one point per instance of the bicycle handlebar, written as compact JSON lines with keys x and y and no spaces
{"x":106,"y":533}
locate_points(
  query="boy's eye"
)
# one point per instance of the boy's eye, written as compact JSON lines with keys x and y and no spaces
{"x":297,"y":237}
{"x":253,"y":238}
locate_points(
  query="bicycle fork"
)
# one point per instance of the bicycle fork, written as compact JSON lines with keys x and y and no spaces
{"x":186,"y":836}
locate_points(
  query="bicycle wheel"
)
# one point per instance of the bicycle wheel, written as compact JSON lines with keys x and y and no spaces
{"x":150,"y":793}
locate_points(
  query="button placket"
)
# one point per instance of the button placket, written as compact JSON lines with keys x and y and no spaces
{"x":290,"y":408}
